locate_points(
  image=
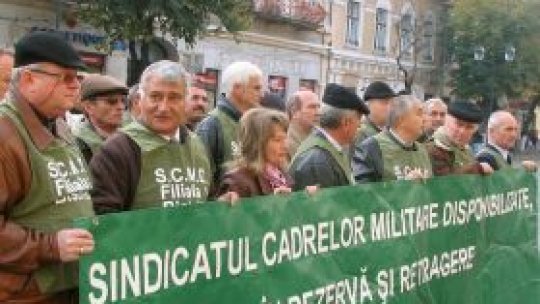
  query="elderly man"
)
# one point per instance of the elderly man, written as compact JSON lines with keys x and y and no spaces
{"x":394,"y":153}
{"x":503,"y":132}
{"x":379,"y":97}
{"x":450,"y":152}
{"x":6,"y":66}
{"x":322,"y":158}
{"x":44,"y":181}
{"x":103,"y":101}
{"x":196,"y":106}
{"x":436,"y":111}
{"x":303,"y":109}
{"x":242,"y":83}
{"x":155,"y":161}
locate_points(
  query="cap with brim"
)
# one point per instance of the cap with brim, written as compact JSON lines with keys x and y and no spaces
{"x":465,"y":111}
{"x":343,"y":98}
{"x":38,"y":47}
{"x":94,"y":85}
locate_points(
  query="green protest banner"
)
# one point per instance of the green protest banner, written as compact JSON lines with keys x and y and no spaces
{"x":459,"y":239}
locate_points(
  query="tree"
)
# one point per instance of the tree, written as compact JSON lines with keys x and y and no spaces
{"x":495,"y":48}
{"x":139,"y":21}
{"x":411,"y":31}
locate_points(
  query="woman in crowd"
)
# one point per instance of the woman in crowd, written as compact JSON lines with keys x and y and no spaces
{"x":261,"y":167}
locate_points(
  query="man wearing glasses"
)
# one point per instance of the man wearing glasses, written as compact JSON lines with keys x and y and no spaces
{"x":103,"y":101}
{"x":44,"y":181}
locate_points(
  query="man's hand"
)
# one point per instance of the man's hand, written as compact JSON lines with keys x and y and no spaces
{"x":282,"y":190}
{"x":415,"y":174}
{"x":72,"y":243}
{"x":486,"y":169}
{"x":529,"y":165}
{"x":230,"y":197}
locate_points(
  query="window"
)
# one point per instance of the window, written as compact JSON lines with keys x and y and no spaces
{"x":406,"y":35}
{"x":353,"y":23}
{"x":381,"y":30}
{"x":429,"y":30}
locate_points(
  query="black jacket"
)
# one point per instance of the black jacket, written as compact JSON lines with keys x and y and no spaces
{"x":210,"y":132}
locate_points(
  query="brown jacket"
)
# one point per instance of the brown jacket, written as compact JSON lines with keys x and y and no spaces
{"x":442,"y":161}
{"x":246,"y":183}
{"x":22,"y":250}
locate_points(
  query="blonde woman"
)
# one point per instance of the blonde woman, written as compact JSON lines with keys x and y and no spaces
{"x":261,"y":167}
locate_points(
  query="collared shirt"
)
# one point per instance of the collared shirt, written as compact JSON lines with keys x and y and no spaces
{"x":400,"y":140}
{"x":503,"y":152}
{"x":175,"y":137}
{"x":331,"y":139}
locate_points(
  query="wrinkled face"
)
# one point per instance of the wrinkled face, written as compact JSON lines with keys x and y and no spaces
{"x":310,"y":110}
{"x":437,"y":115}
{"x":276,"y":152}
{"x":6,"y":65}
{"x":379,"y":110}
{"x":196,"y":104}
{"x":50,"y":88}
{"x":350,"y":127}
{"x":162,"y":105}
{"x":106,"y":111}
{"x":460,"y":132}
{"x":413,"y":121}
{"x":505,"y":133}
{"x":250,"y":93}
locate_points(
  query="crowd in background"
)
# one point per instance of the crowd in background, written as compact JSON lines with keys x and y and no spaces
{"x":77,"y":144}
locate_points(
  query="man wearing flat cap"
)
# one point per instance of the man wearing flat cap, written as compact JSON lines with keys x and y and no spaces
{"x":449,"y":151}
{"x":395,"y":154}
{"x":44,"y":181}
{"x":103,"y":101}
{"x":379,"y":97}
{"x":322,"y":158}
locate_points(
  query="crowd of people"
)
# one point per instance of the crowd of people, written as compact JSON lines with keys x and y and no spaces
{"x":156,"y":144}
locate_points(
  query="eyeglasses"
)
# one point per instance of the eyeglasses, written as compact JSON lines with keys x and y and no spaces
{"x":63,"y":77}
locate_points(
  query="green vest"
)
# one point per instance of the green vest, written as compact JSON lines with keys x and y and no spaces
{"x":89,"y":136}
{"x":463,"y":156}
{"x":490,"y":150}
{"x":172,"y":174}
{"x":229,"y":127}
{"x":398,"y":162}
{"x":366,"y":129}
{"x":315,"y":140}
{"x":59,"y":193}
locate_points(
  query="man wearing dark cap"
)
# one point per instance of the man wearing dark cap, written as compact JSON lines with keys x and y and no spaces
{"x":395,"y":154}
{"x":378,"y":96}
{"x":450,"y":151}
{"x":44,"y":181}
{"x":322,"y":157}
{"x":103,"y":100}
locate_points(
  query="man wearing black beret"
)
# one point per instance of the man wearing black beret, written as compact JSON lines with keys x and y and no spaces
{"x":450,"y":152}
{"x":379,"y":97}
{"x":322,"y":158}
{"x":44,"y":181}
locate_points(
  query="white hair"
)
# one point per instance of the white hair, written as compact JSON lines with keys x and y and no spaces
{"x":166,"y":70}
{"x":401,"y":106}
{"x":238,"y":72}
{"x":496,"y":117}
{"x":435,"y":101}
{"x":331,"y":116}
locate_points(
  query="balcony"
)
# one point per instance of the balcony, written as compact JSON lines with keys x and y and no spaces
{"x":305,"y":14}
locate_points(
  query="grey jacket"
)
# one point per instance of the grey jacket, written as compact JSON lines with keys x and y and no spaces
{"x":317,"y":167}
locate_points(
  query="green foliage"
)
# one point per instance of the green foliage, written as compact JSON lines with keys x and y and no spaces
{"x":495,"y":25}
{"x":138,"y":20}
